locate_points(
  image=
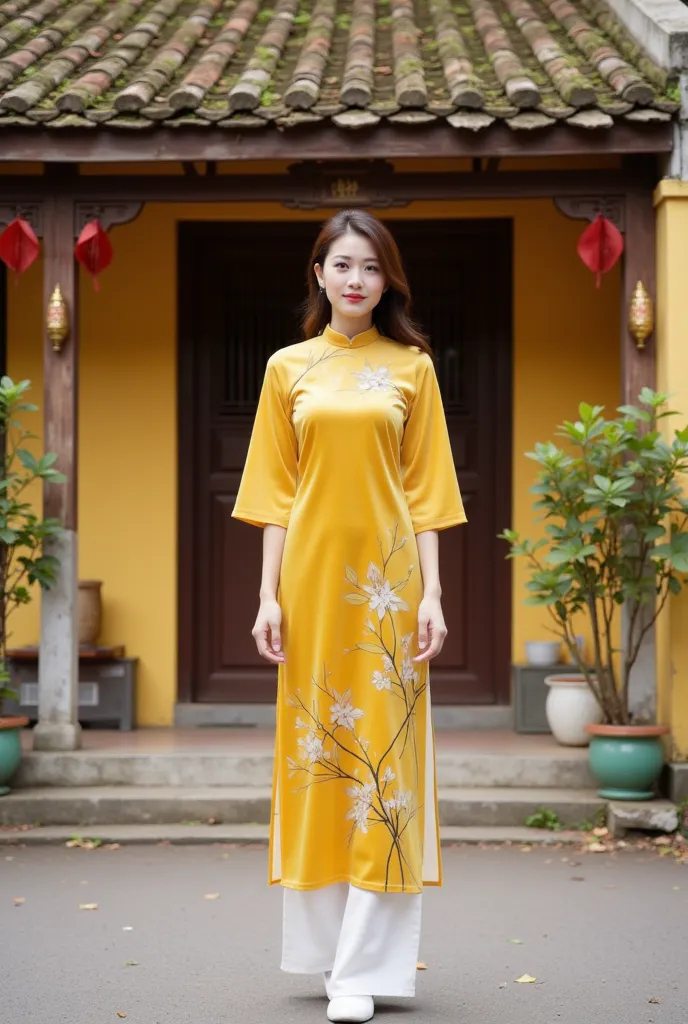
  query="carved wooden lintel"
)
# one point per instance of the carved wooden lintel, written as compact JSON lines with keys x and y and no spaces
{"x":31,"y":211}
{"x":588,"y":207}
{"x":340,"y":186}
{"x":109,"y":214}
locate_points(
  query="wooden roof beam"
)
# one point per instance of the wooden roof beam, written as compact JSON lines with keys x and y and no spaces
{"x":326,"y":142}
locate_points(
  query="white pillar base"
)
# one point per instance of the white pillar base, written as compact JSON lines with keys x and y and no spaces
{"x":58,"y":666}
{"x":53,"y":736}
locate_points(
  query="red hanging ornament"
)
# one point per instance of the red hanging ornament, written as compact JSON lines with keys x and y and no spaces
{"x":94,"y":250}
{"x":600,"y":246}
{"x":18,"y":245}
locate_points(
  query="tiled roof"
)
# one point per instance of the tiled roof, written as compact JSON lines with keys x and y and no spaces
{"x":248,"y":63}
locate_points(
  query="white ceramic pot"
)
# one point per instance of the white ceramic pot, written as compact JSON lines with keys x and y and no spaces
{"x":570,"y":706}
{"x":543,"y":652}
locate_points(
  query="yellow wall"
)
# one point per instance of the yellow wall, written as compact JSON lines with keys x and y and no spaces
{"x":672,"y":370}
{"x":566,"y":349}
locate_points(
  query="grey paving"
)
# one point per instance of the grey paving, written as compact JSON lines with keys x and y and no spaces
{"x":605,"y":936}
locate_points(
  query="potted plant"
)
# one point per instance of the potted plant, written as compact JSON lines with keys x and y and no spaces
{"x":22,"y":532}
{"x":616,"y":539}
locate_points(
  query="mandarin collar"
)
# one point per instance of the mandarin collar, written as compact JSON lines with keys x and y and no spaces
{"x":341,"y":340}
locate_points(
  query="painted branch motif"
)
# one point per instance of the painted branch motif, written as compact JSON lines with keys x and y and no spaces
{"x":334,"y":745}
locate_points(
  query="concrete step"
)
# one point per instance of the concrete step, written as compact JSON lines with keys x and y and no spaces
{"x":133,"y":805}
{"x":257,"y":835}
{"x":563,"y":769}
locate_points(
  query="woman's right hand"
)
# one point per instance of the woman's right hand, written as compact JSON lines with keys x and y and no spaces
{"x":267,"y":632}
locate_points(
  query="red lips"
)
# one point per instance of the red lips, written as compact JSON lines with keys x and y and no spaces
{"x":354,"y":298}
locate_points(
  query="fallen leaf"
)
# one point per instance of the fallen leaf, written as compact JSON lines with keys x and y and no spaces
{"x":120,"y":1014}
{"x":526,"y":849}
{"x":421,"y":966}
{"x":84,"y":844}
{"x":383,"y":70}
{"x":131,"y":963}
{"x":112,"y":846}
{"x":663,"y":841}
{"x":331,"y":81}
{"x":516,"y":942}
{"x":212,"y":896}
{"x":18,"y":900}
{"x":597,"y":848}
{"x":653,"y":1000}
{"x":525,"y":979}
{"x":503,"y":985}
{"x":88,"y":906}
{"x":600,"y":831}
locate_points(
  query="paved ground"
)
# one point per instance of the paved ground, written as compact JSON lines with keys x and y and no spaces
{"x":605,"y":935}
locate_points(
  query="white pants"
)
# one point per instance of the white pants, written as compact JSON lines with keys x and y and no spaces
{"x":368,"y":940}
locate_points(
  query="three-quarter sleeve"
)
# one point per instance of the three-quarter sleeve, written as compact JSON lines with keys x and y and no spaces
{"x":427,"y":464}
{"x":268,"y":483}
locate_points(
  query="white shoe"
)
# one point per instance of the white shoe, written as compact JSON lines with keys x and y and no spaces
{"x":351,"y":1008}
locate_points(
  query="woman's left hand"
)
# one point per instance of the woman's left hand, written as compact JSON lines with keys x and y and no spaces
{"x":431,"y":629}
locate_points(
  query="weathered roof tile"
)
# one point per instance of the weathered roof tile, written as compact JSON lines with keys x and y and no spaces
{"x":133,"y":64}
{"x":357,"y":81}
{"x":304,"y":88}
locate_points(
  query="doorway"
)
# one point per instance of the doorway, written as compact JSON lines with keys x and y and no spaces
{"x":241,"y":285}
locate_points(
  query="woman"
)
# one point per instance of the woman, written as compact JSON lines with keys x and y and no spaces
{"x":350,"y":474}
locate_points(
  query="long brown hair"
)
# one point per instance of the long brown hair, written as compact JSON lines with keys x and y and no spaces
{"x":393,"y":313}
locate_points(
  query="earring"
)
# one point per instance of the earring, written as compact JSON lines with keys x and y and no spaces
{"x":321,"y":286}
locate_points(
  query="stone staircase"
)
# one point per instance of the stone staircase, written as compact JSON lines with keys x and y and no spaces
{"x":485,"y":780}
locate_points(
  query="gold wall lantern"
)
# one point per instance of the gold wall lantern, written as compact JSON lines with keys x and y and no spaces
{"x":640,"y":315}
{"x":57,"y":319}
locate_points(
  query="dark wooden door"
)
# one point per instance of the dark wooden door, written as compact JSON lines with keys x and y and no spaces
{"x":240,"y":289}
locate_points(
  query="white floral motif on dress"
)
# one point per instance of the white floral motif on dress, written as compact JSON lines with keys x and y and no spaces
{"x":310,"y":747}
{"x":381,"y":681}
{"x":342,"y":712}
{"x":370,"y":379}
{"x":399,"y":801}
{"x":362,"y":795}
{"x":382,"y":597}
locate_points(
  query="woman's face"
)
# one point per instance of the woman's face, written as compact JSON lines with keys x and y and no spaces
{"x":352,"y":277}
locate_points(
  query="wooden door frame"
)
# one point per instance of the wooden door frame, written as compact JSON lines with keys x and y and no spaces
{"x":503,"y":487}
{"x":186,"y":448}
{"x":187,"y":409}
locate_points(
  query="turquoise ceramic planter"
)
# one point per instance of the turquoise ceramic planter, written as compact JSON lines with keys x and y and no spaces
{"x":10,"y":753}
{"x":626,"y":766}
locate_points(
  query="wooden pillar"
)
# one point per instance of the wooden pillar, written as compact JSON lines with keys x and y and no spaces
{"x":57,"y":727}
{"x":639,"y":370}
